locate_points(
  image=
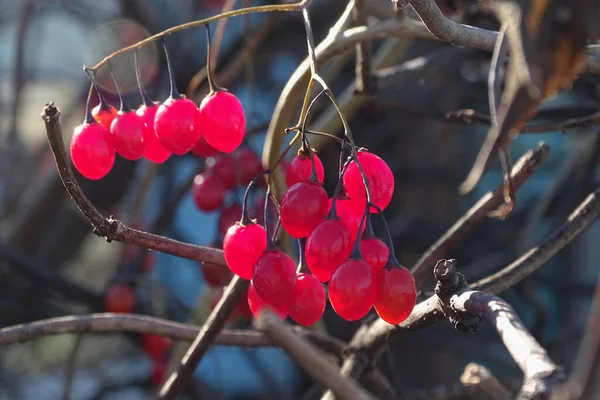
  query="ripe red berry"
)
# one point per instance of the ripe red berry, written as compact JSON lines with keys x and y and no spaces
{"x":350,"y":213}
{"x":215,"y":275}
{"x":229,"y":216}
{"x":380,"y":178}
{"x":177,"y":125}
{"x":248,"y":164}
{"x":119,"y":299}
{"x":202,"y":149}
{"x":375,"y":253}
{"x":208,"y":192}
{"x":396,"y":294}
{"x":104,"y":114}
{"x":274,"y":277}
{"x":92,"y":151}
{"x":300,"y":169}
{"x":257,"y":304}
{"x":154,"y":151}
{"x":243,"y":246}
{"x":159,"y":370}
{"x":223,"y":121}
{"x":155,"y":345}
{"x":352,"y":289}
{"x":308,"y":304}
{"x":327,"y":247}
{"x":127,"y":131}
{"x":303,"y":208}
{"x":223,"y":167}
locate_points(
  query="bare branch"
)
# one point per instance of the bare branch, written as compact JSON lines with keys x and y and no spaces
{"x":315,"y":364}
{"x":364,"y":77}
{"x":480,"y":380}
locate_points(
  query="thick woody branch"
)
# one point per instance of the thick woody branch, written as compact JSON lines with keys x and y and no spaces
{"x":481,"y":381}
{"x":110,"y":228}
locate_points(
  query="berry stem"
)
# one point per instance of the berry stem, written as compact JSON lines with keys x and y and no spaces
{"x":276,"y":230}
{"x":174,"y":93}
{"x":301,"y":259}
{"x":356,"y":253}
{"x":338,"y":188}
{"x":104,"y":106}
{"x":305,"y":144}
{"x":213,"y":87}
{"x":89,"y":119}
{"x":138,"y":76}
{"x":342,"y":164}
{"x":123,"y":107}
{"x":368,"y":233}
{"x":270,"y":242}
{"x":389,"y":240}
{"x":245,"y":218}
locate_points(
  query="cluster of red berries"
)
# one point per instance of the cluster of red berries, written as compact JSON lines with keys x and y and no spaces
{"x":338,"y":246}
{"x":155,"y":131}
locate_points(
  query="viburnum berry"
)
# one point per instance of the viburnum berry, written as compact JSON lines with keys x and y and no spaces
{"x":308,"y":303}
{"x":177,"y":120}
{"x":300,"y":169}
{"x":155,"y":345}
{"x":380,"y":179}
{"x":375,"y":253}
{"x":350,"y":213}
{"x":243,"y":246}
{"x":274,"y":277}
{"x":223,"y":167}
{"x":352,"y":289}
{"x":257,"y":304}
{"x":229,"y":216}
{"x":208,"y":192}
{"x":327,"y":247}
{"x":119,"y":298}
{"x":92,"y":151}
{"x":104,"y":113}
{"x":223,"y":120}
{"x":248,"y":164}
{"x":202,"y":149}
{"x":396,"y":293}
{"x":303,"y":208}
{"x":215,"y":275}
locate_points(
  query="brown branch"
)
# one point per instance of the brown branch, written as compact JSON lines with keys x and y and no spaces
{"x":480,"y":380}
{"x":522,"y":170}
{"x":309,"y":358}
{"x":110,"y":228}
{"x":364,"y":78}
{"x":533,"y":259}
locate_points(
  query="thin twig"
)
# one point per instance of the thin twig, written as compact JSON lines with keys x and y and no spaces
{"x":364,"y":78}
{"x":481,"y":381}
{"x":71,"y":367}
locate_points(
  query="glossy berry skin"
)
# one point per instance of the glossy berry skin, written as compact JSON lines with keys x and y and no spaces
{"x":300,"y":169}
{"x":127,"y":131}
{"x":104,"y":116}
{"x":326,"y":248}
{"x":257,"y":304}
{"x":396,"y":294}
{"x":350,"y":213}
{"x":223,"y":121}
{"x":352,"y":289}
{"x":229,"y":216}
{"x":375,"y":252}
{"x":155,"y":345}
{"x":379,"y":175}
{"x":274,"y":277}
{"x":215,"y":275}
{"x":92,"y":151}
{"x":243,"y":246}
{"x":303,"y":208}
{"x":202,"y":149}
{"x":154,"y":151}
{"x":248,"y":164}
{"x":223,"y":167}
{"x":308,"y":304}
{"x":208,"y":192}
{"x":119,"y":299}
{"x":177,"y":125}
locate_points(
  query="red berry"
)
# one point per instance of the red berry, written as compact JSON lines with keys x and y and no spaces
{"x":208,"y":192}
{"x":154,"y":151}
{"x":300,"y":169}
{"x":223,"y":121}
{"x":155,"y":345}
{"x":202,"y":149}
{"x":248,"y":164}
{"x":327,"y":247}
{"x":229,"y":216}
{"x":303,"y":207}
{"x":177,"y":125}
{"x":243,"y":245}
{"x":257,"y":304}
{"x":350,"y":213}
{"x":159,"y":370}
{"x":396,"y":294}
{"x":92,"y":151}
{"x":127,"y":130}
{"x":379,"y":176}
{"x":308,"y":304}
{"x":352,"y":289}
{"x":119,"y":299}
{"x":215,"y":275}
{"x":149,"y":263}
{"x":274,"y":277}
{"x":375,"y":253}
{"x":223,"y":167}
{"x":104,"y":116}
